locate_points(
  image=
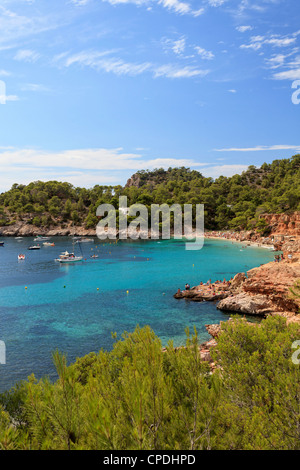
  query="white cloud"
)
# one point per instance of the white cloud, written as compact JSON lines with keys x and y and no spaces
{"x":292,"y":69}
{"x":27,"y":55}
{"x":100,"y":62}
{"x":223,"y":170}
{"x":204,"y":54}
{"x":260,"y":148}
{"x":179,"y":46}
{"x":15,"y":27}
{"x":4,"y":73}
{"x":5,"y":98}
{"x":34,"y":87}
{"x":86,"y":159}
{"x":257,"y":42}
{"x":81,"y":167}
{"x":293,"y":74}
{"x":87,"y":167}
{"x":243,"y":29}
{"x":80,"y":2}
{"x":176,"y":5}
{"x":216,"y":3}
{"x":173,"y":71}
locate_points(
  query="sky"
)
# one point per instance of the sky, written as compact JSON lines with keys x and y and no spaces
{"x":93,"y":90}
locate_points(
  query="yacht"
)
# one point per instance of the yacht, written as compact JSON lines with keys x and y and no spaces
{"x":67,"y":257}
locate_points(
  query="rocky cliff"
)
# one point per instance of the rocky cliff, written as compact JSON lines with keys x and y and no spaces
{"x":283,"y":224}
{"x":21,"y":229}
{"x":266,"y":290}
{"x":261,"y":291}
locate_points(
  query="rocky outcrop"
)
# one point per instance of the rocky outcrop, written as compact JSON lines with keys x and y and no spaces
{"x":283,"y":224}
{"x":247,"y":304}
{"x":262,"y":291}
{"x":21,"y":229}
{"x":135,"y":180}
{"x":212,"y":292}
{"x":237,"y":281}
{"x":213,"y":330}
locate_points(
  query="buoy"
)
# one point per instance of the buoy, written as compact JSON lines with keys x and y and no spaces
{"x":64,"y":287}
{"x":127,"y":291}
{"x":25,"y":287}
{"x":97,"y":288}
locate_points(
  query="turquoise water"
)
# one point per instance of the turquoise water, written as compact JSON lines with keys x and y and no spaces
{"x":62,"y":308}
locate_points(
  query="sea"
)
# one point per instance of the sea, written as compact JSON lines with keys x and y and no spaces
{"x":75,"y":308}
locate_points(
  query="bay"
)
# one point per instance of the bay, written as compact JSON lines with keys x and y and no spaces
{"x":75,"y":308}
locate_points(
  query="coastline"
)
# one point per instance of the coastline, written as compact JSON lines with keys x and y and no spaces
{"x":261,"y":291}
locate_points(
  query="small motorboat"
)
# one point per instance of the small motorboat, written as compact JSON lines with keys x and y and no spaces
{"x":85,"y":240}
{"x":1,"y":243}
{"x":34,"y":247}
{"x":48,"y":244}
{"x":39,"y":238}
{"x":67,"y":257}
{"x":94,"y":256}
{"x":21,"y":257}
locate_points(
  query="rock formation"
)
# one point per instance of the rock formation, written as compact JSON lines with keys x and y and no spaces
{"x":263,"y":291}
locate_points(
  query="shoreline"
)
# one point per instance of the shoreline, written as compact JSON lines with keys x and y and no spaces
{"x":264,"y":242}
{"x":248,"y":243}
{"x":261,"y":291}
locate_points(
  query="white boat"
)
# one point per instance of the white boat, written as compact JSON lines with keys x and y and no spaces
{"x":71,"y":259}
{"x":48,"y":244}
{"x":34,"y":247}
{"x":67,"y":257}
{"x":21,"y":257}
{"x":40,"y":238}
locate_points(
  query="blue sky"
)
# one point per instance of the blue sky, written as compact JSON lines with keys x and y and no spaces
{"x":93,"y":90}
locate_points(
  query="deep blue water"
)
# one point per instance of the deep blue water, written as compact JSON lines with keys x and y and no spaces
{"x":62,"y":308}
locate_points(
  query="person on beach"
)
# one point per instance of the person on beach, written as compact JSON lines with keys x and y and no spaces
{"x":187,"y":287}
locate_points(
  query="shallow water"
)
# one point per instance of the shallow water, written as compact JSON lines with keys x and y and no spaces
{"x":62,"y":308}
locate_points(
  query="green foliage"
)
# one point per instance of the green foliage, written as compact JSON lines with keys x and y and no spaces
{"x":261,"y":385}
{"x":233,"y":203}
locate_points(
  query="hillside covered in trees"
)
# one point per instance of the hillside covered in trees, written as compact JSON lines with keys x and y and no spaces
{"x":234,"y":203}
